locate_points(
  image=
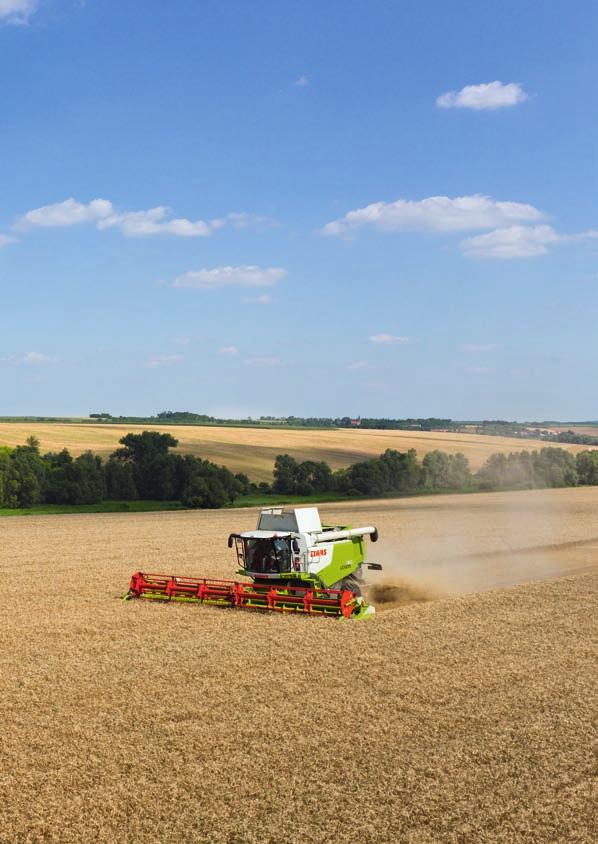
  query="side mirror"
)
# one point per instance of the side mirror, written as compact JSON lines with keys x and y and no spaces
{"x":230,"y":540}
{"x":295,"y":545}
{"x":374,"y":535}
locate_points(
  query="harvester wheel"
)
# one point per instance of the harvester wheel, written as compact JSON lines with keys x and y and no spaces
{"x":352,"y":584}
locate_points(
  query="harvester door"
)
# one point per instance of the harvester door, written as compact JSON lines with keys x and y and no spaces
{"x":282,"y":550}
{"x":299,"y":555}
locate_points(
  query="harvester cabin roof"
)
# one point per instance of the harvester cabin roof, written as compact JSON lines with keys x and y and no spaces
{"x":299,"y":520}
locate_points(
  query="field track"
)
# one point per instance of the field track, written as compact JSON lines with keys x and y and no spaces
{"x":457,"y":715}
{"x":253,"y":450}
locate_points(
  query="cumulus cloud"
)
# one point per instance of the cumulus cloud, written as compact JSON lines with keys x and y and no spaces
{"x":511,"y":242}
{"x":6,"y":239}
{"x":37,"y":358}
{"x":228,"y":351}
{"x":435,"y":214}
{"x":589,"y":234}
{"x":67,"y":213}
{"x":387,"y":339}
{"x":518,"y":229}
{"x":158,"y":361}
{"x":151,"y":221}
{"x":155,"y":221}
{"x":302,"y":81}
{"x":489,"y":96}
{"x":30,"y":359}
{"x":17,"y":11}
{"x":262,"y":361}
{"x":217,"y":277}
{"x":520,"y":241}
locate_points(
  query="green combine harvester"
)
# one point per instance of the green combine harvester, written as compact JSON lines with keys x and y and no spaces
{"x":293,"y":562}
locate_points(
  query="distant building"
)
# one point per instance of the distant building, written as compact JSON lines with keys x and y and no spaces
{"x":355,"y":422}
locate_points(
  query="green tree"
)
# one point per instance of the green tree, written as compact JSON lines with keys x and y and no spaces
{"x":587,"y":467}
{"x":312,"y":477}
{"x":148,"y":444}
{"x":285,"y":475}
{"x":404,"y":472}
{"x":436,"y":470}
{"x":120,"y":483}
{"x":555,"y":467}
{"x":87,"y":479}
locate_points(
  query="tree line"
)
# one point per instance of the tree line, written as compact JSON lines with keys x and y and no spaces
{"x":402,"y":472}
{"x":573,"y":437}
{"x":143,"y":468}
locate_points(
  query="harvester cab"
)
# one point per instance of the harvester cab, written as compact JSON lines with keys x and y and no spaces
{"x":295,"y":564}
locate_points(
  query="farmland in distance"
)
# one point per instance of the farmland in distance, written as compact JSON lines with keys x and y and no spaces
{"x":253,"y":450}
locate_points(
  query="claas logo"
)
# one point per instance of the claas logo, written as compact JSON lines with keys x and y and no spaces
{"x":320,"y":552}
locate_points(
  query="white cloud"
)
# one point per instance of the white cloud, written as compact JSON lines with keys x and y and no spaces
{"x":435,"y":214}
{"x":16,"y":11}
{"x":302,"y":81}
{"x":359,"y":364}
{"x":476,"y":348}
{"x":5,"y":239}
{"x":489,"y":96}
{"x":228,"y":351}
{"x":387,"y":339}
{"x":151,"y":221}
{"x":511,"y":242}
{"x":67,"y":213}
{"x":518,"y":230}
{"x":262,"y":361}
{"x":589,"y":234}
{"x":155,"y":221}
{"x":30,"y":359}
{"x":520,"y":242}
{"x":157,"y":361}
{"x":37,"y":358}
{"x":217,"y":277}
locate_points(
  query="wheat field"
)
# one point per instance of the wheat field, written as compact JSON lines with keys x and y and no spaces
{"x":253,"y":450}
{"x":464,"y":712}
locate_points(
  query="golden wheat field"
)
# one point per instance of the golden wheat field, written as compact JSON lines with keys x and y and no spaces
{"x":464,"y":712}
{"x":590,"y":430}
{"x":253,"y":450}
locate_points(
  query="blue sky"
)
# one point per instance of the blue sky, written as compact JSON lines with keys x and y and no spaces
{"x":351,"y":207}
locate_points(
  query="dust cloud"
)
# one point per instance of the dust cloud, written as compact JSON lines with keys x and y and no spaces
{"x":399,"y":592}
{"x":440,"y":548}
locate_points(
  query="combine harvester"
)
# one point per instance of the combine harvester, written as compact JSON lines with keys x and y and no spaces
{"x":295,"y":565}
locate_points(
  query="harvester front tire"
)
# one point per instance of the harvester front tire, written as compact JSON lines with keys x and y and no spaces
{"x":352,"y":584}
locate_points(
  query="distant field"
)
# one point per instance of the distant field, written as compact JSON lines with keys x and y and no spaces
{"x":590,"y":430}
{"x":253,"y":450}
